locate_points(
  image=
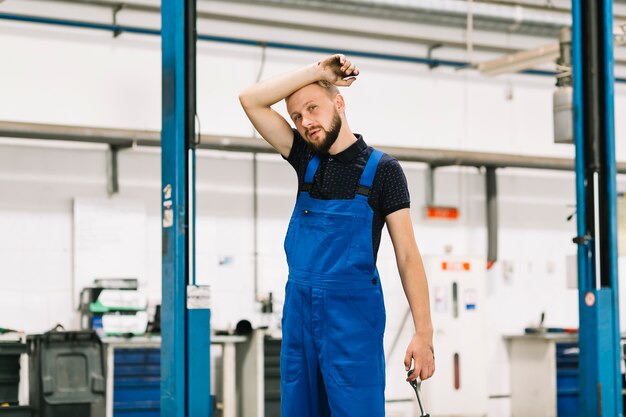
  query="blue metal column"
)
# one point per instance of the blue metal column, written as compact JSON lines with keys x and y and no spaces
{"x":173,"y":178}
{"x":199,"y":400}
{"x":599,"y":338}
{"x":185,"y":314}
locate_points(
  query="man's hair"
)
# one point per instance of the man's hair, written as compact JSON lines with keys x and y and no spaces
{"x":331,"y":89}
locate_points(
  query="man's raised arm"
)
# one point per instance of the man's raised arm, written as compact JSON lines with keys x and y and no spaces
{"x":257,"y":99}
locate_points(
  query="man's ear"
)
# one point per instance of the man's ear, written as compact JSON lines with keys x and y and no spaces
{"x":340,"y":104}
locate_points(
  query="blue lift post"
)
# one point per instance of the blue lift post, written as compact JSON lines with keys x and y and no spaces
{"x":185,"y":313}
{"x":599,"y":338}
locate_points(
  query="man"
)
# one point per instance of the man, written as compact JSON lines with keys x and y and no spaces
{"x":332,"y":360}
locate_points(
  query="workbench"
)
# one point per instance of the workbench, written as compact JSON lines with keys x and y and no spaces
{"x":149,"y":347}
{"x":544,"y":374}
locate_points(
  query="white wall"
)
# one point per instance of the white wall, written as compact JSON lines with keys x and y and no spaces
{"x":79,"y":77}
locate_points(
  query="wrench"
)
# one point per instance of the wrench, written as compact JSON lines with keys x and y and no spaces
{"x":417,"y":388}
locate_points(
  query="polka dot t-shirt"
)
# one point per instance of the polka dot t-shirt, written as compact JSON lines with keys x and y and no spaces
{"x":337,"y":178}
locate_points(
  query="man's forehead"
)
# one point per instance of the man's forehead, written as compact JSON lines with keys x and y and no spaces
{"x":306,"y":94}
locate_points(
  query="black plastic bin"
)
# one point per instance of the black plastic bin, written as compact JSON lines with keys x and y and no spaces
{"x":10,"y":371}
{"x":67,"y":374}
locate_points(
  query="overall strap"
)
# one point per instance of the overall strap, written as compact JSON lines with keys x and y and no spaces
{"x":367,"y":177}
{"x":311,"y":169}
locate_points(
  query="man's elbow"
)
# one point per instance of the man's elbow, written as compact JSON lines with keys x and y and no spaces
{"x":244,"y":99}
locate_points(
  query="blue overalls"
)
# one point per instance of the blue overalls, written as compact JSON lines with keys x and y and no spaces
{"x":332,"y":360}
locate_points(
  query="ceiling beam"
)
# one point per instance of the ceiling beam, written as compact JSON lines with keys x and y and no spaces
{"x":152,"y":138}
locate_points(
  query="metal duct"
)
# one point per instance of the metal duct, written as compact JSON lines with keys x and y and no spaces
{"x":128,"y":138}
{"x":486,"y":16}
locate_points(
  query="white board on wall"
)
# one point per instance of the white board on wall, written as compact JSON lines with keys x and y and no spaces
{"x":109,"y":240}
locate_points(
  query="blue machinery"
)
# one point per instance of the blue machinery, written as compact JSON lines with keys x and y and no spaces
{"x":185,"y":327}
{"x":599,"y":338}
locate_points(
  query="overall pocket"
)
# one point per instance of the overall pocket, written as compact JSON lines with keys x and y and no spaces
{"x":290,"y":368}
{"x":321,"y":242}
{"x":370,"y":306}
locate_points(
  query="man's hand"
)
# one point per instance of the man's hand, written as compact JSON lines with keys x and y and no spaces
{"x":337,"y":70}
{"x":421,"y":351}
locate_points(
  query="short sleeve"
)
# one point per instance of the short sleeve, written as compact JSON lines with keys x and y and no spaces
{"x":297,"y":152}
{"x":395,"y":191}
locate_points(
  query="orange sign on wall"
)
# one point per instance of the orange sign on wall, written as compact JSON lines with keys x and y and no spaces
{"x":455,"y":266}
{"x":442,"y":213}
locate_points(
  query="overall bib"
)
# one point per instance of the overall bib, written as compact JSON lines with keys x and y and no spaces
{"x":332,"y":361}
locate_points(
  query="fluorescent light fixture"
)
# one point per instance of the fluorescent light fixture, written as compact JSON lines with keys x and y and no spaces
{"x":524,"y":60}
{"x":520,"y":61}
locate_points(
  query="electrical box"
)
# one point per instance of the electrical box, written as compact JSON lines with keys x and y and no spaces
{"x":457,"y":295}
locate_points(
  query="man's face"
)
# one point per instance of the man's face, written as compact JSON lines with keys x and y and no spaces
{"x":316,"y":117}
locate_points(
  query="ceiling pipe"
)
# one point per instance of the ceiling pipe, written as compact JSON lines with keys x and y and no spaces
{"x":118,"y":29}
{"x":489,"y":16}
{"x":149,"y":138}
{"x":117,"y":6}
{"x":395,"y":8}
{"x":305,"y":26}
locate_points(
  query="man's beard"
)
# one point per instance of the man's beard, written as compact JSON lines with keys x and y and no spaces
{"x":330,"y":137}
